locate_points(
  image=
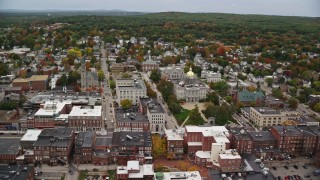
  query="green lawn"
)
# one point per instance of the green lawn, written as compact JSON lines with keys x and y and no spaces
{"x":182,"y":115}
{"x":83,"y":175}
{"x":112,"y":174}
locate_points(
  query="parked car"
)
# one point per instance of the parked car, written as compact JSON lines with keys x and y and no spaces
{"x":286,"y":167}
{"x":295,"y":166}
{"x":274,"y":168}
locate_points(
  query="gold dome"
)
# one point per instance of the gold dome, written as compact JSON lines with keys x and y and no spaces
{"x":190,"y":73}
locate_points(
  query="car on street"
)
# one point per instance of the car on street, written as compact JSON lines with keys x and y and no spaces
{"x":295,"y":166}
{"x":286,"y":167}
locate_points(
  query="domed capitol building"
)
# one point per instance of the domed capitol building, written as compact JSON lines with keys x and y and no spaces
{"x":191,"y":89}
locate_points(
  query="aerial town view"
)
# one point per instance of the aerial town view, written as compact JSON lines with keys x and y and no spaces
{"x":159,"y":90}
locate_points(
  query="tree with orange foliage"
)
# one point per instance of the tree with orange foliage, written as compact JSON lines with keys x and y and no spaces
{"x":221,"y":51}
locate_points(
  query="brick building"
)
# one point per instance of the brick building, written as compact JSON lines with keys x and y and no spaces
{"x":230,"y":161}
{"x":200,"y":138}
{"x":134,"y":121}
{"x":82,"y":118}
{"x":9,"y":150}
{"x":132,"y":146}
{"x":174,"y":143}
{"x":289,"y":139}
{"x":34,"y":83}
{"x":241,"y":141}
{"x":84,"y":143}
{"x":54,"y":146}
{"x":264,"y":145}
{"x":103,"y":154}
{"x":248,"y":98}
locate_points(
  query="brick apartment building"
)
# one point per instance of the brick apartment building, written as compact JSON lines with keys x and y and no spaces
{"x":84,"y":143}
{"x":230,"y":161}
{"x":54,"y":146}
{"x":174,"y":144}
{"x":241,"y":140}
{"x":289,"y":139}
{"x":132,"y":146}
{"x":34,"y":83}
{"x":83,"y":118}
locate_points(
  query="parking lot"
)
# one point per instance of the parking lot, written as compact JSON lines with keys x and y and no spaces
{"x":301,"y":171}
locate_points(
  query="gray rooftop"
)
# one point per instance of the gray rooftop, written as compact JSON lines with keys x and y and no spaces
{"x":306,"y":130}
{"x":85,"y":139}
{"x":59,"y":137}
{"x":130,"y":117}
{"x":9,"y":146}
{"x":261,"y":136}
{"x":287,"y":130}
{"x":266,"y":110}
{"x":105,"y":141}
{"x":152,"y":104}
{"x":129,"y":139}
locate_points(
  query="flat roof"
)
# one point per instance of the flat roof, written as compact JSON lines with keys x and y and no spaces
{"x":138,"y":139}
{"x":186,"y":175}
{"x":203,"y":154}
{"x":173,"y":135}
{"x":31,"y":135}
{"x":9,"y":146}
{"x":32,"y":78}
{"x":133,"y":165}
{"x":287,"y":130}
{"x":261,"y":136}
{"x":85,"y":139}
{"x":229,"y":154}
{"x":266,"y":110}
{"x":51,"y":108}
{"x":133,"y":117}
{"x":86,"y":111}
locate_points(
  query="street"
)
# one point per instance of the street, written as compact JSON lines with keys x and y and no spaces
{"x":107,"y":103}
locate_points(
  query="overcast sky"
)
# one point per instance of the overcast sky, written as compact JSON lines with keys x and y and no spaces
{"x":268,"y":7}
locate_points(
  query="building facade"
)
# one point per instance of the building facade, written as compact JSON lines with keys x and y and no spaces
{"x":131,"y":89}
{"x":83,"y":118}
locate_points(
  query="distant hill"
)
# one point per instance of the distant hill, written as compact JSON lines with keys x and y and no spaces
{"x":54,"y":12}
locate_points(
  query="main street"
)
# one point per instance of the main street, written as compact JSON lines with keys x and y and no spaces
{"x":171,"y":122}
{"x":107,"y":101}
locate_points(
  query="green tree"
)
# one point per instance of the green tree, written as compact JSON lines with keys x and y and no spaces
{"x":4,"y":70}
{"x":195,"y":117}
{"x":155,"y":75}
{"x":221,"y":87}
{"x":228,"y":99}
{"x":293,"y":102}
{"x":293,"y":91}
{"x":166,"y":88}
{"x":277,"y":93}
{"x":269,"y":81}
{"x":112,"y":84}
{"x":62,"y":81}
{"x":101,"y":75}
{"x":317,"y":107}
{"x":213,"y":97}
{"x":126,"y":104}
{"x":221,"y":113}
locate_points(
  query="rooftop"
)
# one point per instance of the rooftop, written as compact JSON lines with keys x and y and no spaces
{"x":59,"y":137}
{"x":266,"y":110}
{"x":9,"y":146}
{"x":132,"y":117}
{"x":137,"y":139}
{"x":86,"y":111}
{"x":85,"y":139}
{"x":186,"y":175}
{"x":51,"y":108}
{"x":248,"y":96}
{"x":261,"y":136}
{"x":287,"y":130}
{"x":174,"y":135}
{"x":220,"y":133}
{"x":31,"y":135}
{"x":32,"y":78}
{"x":230,"y":154}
